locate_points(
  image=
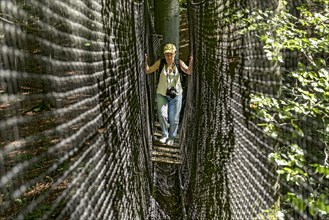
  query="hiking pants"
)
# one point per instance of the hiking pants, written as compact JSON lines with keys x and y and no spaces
{"x":169,"y":113}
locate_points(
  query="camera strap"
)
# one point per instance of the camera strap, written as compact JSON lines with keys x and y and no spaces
{"x":176,"y":62}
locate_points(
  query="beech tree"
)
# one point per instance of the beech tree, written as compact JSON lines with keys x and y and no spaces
{"x":166,"y":19}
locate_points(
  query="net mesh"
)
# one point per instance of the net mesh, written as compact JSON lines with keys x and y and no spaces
{"x":236,"y":183}
{"x":73,"y":138}
{"x":77,"y":115}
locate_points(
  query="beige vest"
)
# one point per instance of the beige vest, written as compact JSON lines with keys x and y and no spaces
{"x":169,"y":79}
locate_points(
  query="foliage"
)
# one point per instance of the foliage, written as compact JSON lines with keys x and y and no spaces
{"x":302,"y":110}
{"x":183,"y":3}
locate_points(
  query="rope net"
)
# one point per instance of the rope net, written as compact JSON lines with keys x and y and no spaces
{"x":226,"y":154}
{"x":232,"y":164}
{"x":77,"y":115}
{"x":74,"y":144}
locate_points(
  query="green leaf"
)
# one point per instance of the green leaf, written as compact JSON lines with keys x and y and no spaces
{"x":280,"y":172}
{"x":321,"y":204}
{"x":299,"y":203}
{"x":322,"y":170}
{"x":281,"y":162}
{"x":37,"y":109}
{"x":289,"y":170}
{"x":323,"y":73}
{"x":298,"y":131}
{"x":312,"y":209}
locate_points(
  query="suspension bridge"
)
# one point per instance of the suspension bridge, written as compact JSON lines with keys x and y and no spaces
{"x":77,"y":118}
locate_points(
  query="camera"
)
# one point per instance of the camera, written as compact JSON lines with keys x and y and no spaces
{"x":172,"y":92}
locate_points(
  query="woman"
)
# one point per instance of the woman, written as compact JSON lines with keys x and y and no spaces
{"x":169,"y":92}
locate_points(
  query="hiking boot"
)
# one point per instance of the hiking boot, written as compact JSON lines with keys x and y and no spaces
{"x":163,"y":140}
{"x":170,"y":142}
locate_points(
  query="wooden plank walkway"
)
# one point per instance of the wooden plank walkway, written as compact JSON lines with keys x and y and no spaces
{"x":163,"y":153}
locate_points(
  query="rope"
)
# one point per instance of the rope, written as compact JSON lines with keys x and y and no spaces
{"x":77,"y":115}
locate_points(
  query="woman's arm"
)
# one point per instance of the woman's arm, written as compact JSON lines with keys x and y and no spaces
{"x":186,"y":69}
{"x":153,"y":68}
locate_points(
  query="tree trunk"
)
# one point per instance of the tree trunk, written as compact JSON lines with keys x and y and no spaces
{"x":166,"y":19}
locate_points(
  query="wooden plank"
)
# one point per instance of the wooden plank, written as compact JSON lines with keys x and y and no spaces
{"x":166,"y":149}
{"x":165,"y":154}
{"x":166,"y":160}
{"x":159,"y":144}
{"x":157,"y":134}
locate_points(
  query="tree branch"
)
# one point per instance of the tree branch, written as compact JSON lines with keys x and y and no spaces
{"x":5,"y":20}
{"x":326,"y":150}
